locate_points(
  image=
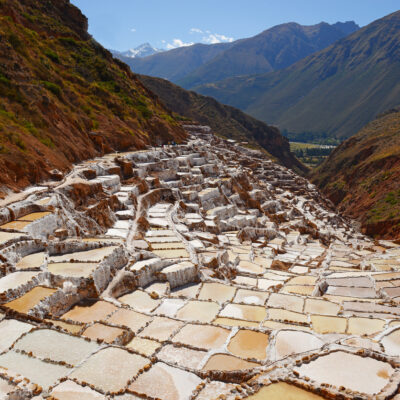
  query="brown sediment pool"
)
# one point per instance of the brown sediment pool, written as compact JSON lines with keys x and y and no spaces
{"x":249,"y":344}
{"x":90,"y":312}
{"x":30,"y":299}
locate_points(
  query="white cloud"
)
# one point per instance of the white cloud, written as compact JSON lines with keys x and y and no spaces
{"x":177,"y":43}
{"x":133,"y":30}
{"x":214,"y":38}
{"x":196,"y":30}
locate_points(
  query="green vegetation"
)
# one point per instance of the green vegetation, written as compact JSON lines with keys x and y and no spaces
{"x":52,"y":87}
{"x":310,"y":154}
{"x":52,"y":55}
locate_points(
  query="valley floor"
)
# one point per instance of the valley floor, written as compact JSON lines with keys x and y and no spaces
{"x":195,"y":271}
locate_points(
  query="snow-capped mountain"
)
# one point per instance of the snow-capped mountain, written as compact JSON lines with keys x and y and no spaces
{"x":144,"y":50}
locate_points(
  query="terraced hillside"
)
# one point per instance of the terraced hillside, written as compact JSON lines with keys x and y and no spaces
{"x":362,"y":176}
{"x":193,"y":271}
{"x":64,"y":98}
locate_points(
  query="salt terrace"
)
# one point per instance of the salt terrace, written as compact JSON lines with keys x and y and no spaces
{"x":194,"y":271}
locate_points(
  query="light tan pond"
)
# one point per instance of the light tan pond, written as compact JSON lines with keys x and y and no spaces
{"x":202,"y":311}
{"x":202,"y":336}
{"x":283,"y":391}
{"x":79,"y":270}
{"x":33,"y":261}
{"x":225,"y":362}
{"x":217,"y":292}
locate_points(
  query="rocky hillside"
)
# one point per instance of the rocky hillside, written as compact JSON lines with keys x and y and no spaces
{"x":362,"y":176}
{"x":273,"y":49}
{"x":225,"y":121}
{"x":64,"y":98}
{"x":334,"y":92}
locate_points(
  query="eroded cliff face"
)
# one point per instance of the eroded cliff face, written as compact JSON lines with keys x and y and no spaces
{"x":362,"y":177}
{"x":64,"y":98}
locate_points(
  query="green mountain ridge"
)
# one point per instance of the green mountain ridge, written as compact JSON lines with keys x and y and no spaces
{"x":271,"y":50}
{"x":333,"y":93}
{"x":275,"y":48}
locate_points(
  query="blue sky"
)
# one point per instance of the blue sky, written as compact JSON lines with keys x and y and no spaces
{"x":125,"y":24}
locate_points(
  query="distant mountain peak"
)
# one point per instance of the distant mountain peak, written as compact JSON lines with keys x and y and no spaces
{"x":144,"y":50}
{"x":347,"y":27}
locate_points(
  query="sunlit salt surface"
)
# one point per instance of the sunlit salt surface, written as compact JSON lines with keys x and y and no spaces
{"x":250,"y":297}
{"x":15,"y":279}
{"x":145,"y":347}
{"x":7,"y":236}
{"x":182,"y":356}
{"x":202,"y":311}
{"x":11,"y":330}
{"x":239,"y":311}
{"x":95,"y":255}
{"x":37,"y":371}
{"x":216,"y":292}
{"x":292,"y":342}
{"x":176,"y":383}
{"x":365,"y":375}
{"x":131,"y":319}
{"x":325,"y":324}
{"x":56,"y":346}
{"x":70,"y":390}
{"x":140,"y":301}
{"x":391,"y":343}
{"x":161,"y":328}
{"x":202,"y":336}
{"x":110,"y":369}
{"x":32,"y":261}
{"x":103,"y":332}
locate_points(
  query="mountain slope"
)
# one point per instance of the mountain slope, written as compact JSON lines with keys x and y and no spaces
{"x":177,"y":63}
{"x":334,"y":92}
{"x":224,"y":120}
{"x":57,"y":86}
{"x":271,"y":50}
{"x":362,"y":176}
